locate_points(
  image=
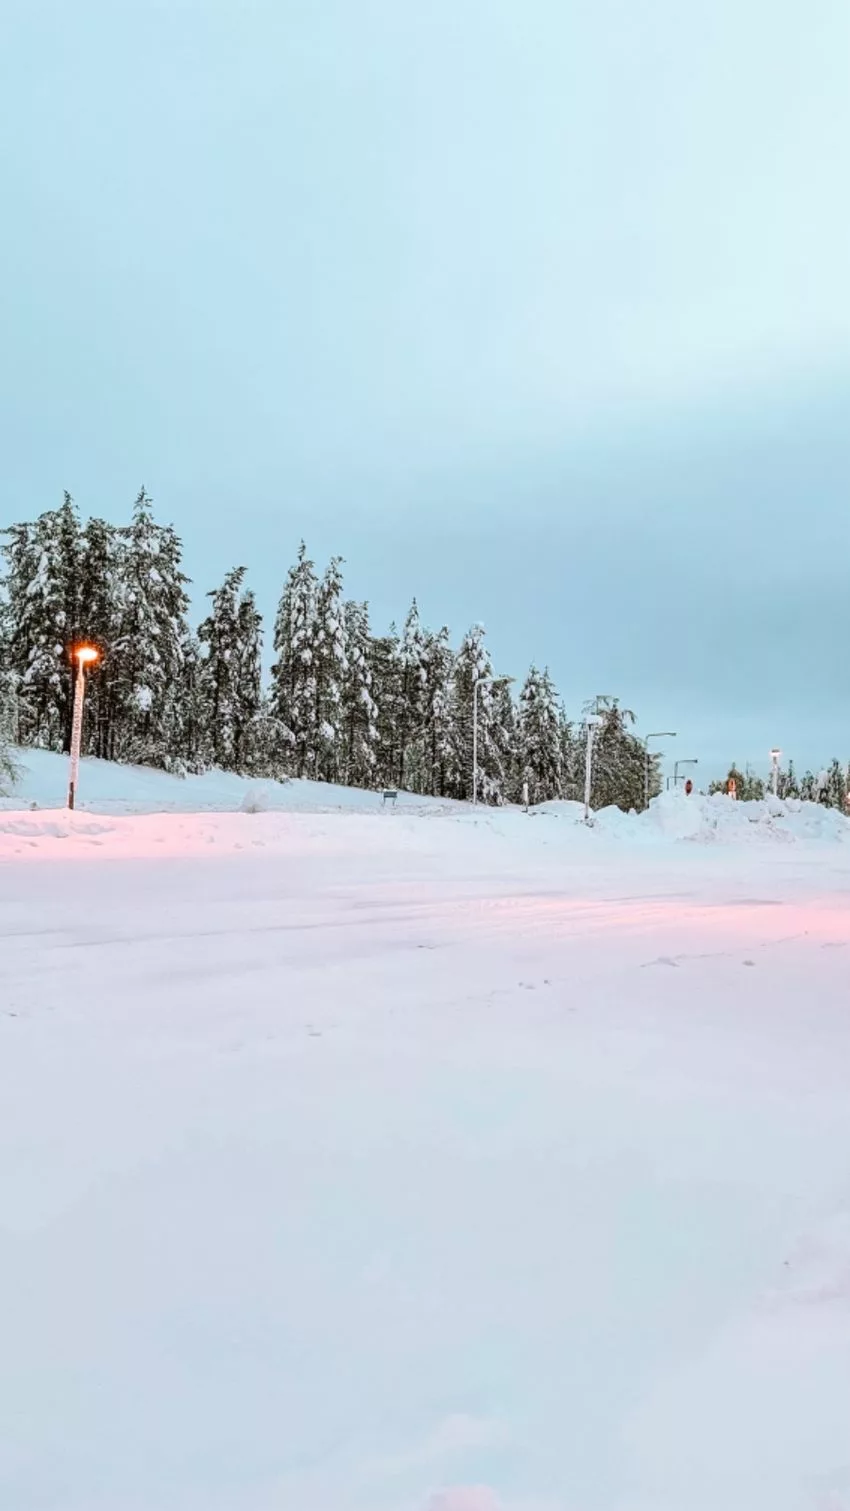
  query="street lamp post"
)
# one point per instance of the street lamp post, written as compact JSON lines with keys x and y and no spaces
{"x":480,"y":682}
{"x":83,"y":655}
{"x":775,"y":758}
{"x":676,"y":765}
{"x":663,"y":734}
{"x":592,"y":722}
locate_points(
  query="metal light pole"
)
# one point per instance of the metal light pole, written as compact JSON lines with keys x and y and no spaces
{"x":84,"y":655}
{"x":775,"y":758}
{"x":480,"y":682}
{"x":663,"y":734}
{"x":592,"y":722}
{"x":676,"y":765}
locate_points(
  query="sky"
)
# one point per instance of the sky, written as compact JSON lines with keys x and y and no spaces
{"x":536,"y":309}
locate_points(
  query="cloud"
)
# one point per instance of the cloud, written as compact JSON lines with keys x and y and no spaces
{"x":482,"y":1498}
{"x":455,"y":1434}
{"x":466,"y":1498}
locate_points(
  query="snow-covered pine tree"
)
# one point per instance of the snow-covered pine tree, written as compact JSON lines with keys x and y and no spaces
{"x":8,"y":711}
{"x":18,"y":572}
{"x":359,"y":709}
{"x":41,"y":621}
{"x":788,"y":784}
{"x":618,"y":758}
{"x":572,"y":758}
{"x":293,"y":690}
{"x":385,"y":665}
{"x":540,"y":737}
{"x":506,"y":735}
{"x":808,"y":787}
{"x":149,"y":648}
{"x":100,"y":621}
{"x":411,"y":695}
{"x":231,"y":641}
{"x":330,"y":667}
{"x":754,"y":787}
{"x":195,"y":741}
{"x":749,"y":788}
{"x":833,"y":792}
{"x":438,"y":718}
{"x":473,"y":665}
{"x":252,"y":729}
{"x":653,"y":759}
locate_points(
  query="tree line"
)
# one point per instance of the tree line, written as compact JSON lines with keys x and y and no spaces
{"x":829,"y":786}
{"x":341,"y":704}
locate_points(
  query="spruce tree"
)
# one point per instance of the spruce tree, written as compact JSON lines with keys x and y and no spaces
{"x":385,"y":666}
{"x":100,"y":622}
{"x":833,"y":792}
{"x":8,"y":710}
{"x":540,"y":737}
{"x":438,"y":714}
{"x":359,"y":710}
{"x":195,"y":733}
{"x":149,"y":650}
{"x":251,"y":730}
{"x":293,"y":694}
{"x":749,"y":788}
{"x":15,"y":625}
{"x":506,"y":736}
{"x":329,"y":670}
{"x":411,"y":696}
{"x":618,"y":758}
{"x":473,"y":666}
{"x":231,"y":642}
{"x":788,"y":784}
{"x":41,"y":621}
{"x":572,"y":759}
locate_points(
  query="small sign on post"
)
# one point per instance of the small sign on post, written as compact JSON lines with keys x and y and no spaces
{"x":732,"y":788}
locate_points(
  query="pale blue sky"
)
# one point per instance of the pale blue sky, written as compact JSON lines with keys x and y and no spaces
{"x":535,"y":308}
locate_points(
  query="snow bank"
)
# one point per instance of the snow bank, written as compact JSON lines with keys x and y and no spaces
{"x":674,"y":816}
{"x":722,"y":819}
{"x":107,"y":788}
{"x":110,"y":787}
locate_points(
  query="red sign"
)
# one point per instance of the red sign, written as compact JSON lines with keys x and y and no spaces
{"x":689,"y":787}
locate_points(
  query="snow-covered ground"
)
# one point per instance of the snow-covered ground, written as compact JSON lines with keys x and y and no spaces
{"x":107,"y":787}
{"x":421,"y":1161}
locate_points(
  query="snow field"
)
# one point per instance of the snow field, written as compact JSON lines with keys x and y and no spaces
{"x":370,"y":1161}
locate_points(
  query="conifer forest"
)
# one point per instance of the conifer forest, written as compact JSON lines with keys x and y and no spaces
{"x":343,"y":701}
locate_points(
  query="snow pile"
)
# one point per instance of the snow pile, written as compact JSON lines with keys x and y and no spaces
{"x":674,"y":816}
{"x":722,"y":819}
{"x":561,"y":808}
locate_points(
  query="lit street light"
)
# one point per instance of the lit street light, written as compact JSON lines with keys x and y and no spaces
{"x":664,"y":734}
{"x":480,"y":682}
{"x":84,"y":655}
